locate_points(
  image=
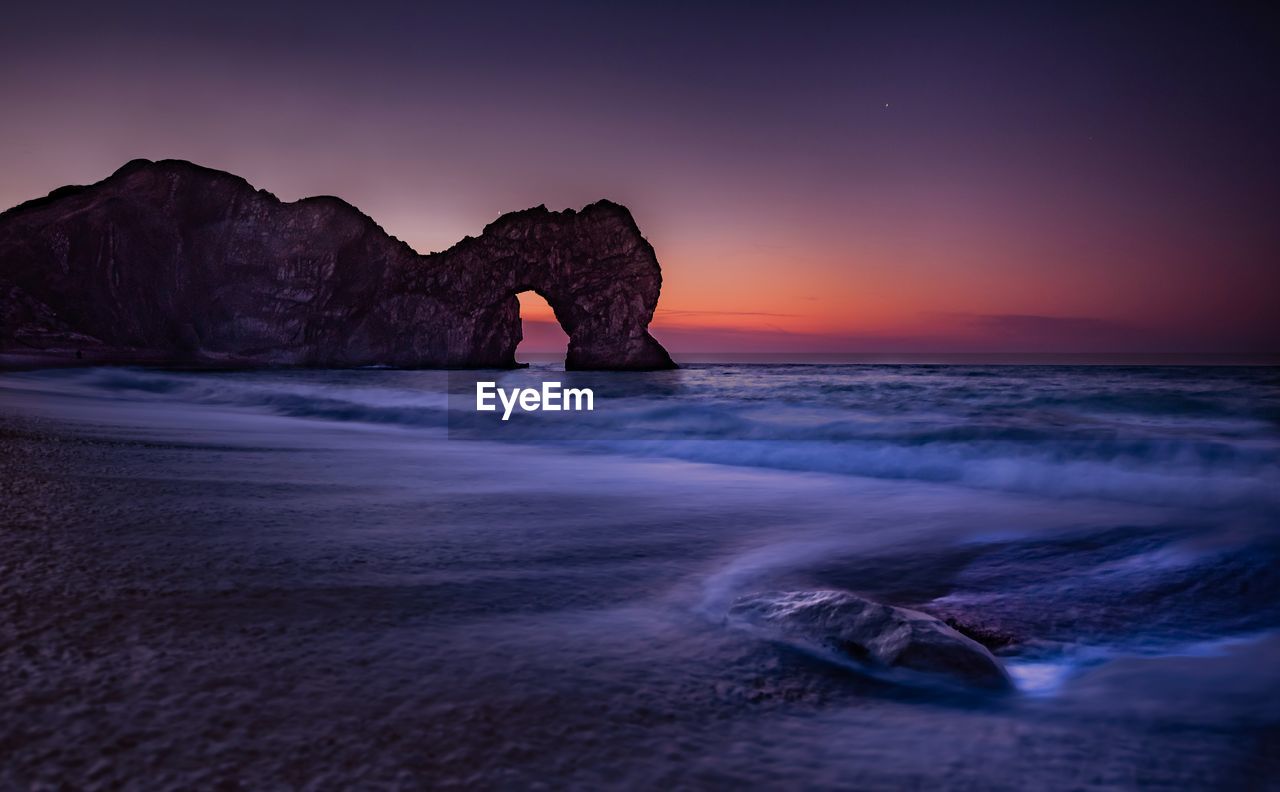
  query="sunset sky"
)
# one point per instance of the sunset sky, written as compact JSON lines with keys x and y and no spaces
{"x":815,"y":177}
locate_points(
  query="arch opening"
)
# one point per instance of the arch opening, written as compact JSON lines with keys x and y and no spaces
{"x":543,"y":339}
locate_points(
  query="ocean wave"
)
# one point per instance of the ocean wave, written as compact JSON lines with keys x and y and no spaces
{"x":1195,"y":437}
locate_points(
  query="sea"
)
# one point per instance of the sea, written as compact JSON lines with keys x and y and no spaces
{"x":353,"y":579}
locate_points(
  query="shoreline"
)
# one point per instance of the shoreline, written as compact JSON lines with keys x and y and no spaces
{"x":202,"y":593}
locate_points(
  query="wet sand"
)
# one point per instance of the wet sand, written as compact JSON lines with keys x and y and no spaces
{"x":229,"y":598}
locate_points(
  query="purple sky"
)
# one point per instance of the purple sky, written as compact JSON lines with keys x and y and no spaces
{"x":825,"y":177}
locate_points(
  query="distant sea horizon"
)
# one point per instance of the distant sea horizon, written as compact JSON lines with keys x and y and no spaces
{"x":955,"y":358}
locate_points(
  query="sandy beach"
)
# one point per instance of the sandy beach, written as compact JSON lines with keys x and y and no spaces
{"x":201,"y":595}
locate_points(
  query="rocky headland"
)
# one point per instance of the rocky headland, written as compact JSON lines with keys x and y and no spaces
{"x":172,"y":263}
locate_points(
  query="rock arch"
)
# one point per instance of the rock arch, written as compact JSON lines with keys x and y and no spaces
{"x":600,"y":277}
{"x":171,"y":262}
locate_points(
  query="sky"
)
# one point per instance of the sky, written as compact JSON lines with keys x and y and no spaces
{"x":815,"y":177}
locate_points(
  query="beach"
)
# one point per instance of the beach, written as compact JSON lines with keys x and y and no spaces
{"x":345,"y":579}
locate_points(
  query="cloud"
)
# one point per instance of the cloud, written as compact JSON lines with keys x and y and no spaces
{"x":688,"y":314}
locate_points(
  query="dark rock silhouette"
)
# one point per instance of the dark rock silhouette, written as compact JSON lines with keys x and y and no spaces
{"x":877,"y":637}
{"x":170,"y":262}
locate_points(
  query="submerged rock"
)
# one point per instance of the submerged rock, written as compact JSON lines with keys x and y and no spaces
{"x":877,"y":637}
{"x":169,"y":262}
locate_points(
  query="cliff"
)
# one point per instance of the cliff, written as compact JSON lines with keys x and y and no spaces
{"x":172,"y":263}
